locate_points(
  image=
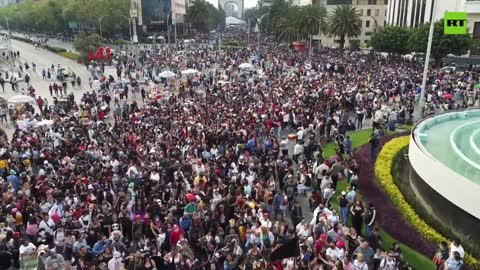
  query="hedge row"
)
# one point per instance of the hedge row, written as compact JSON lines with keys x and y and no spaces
{"x":57,"y":50}
{"x":47,"y":47}
{"x":383,"y":174}
{"x":389,"y":217}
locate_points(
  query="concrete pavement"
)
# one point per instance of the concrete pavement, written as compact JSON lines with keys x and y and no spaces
{"x":43,"y":59}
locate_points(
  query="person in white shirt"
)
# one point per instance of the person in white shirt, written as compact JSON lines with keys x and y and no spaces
{"x":298,"y":151}
{"x":155,"y":176}
{"x":85,"y":220}
{"x":319,"y":169}
{"x":286,"y":120}
{"x":359,"y":263}
{"x":456,"y":246}
{"x":115,"y":263}
{"x":388,"y":263}
{"x":47,"y":224}
{"x":284,"y":147}
{"x":333,"y":253}
{"x":28,"y":255}
{"x":300,"y":133}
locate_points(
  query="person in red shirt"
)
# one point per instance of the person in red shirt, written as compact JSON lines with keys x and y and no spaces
{"x":320,"y":245}
{"x":175,"y":235}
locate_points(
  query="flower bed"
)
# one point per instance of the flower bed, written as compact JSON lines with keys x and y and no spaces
{"x":383,"y":174}
{"x":389,"y":217}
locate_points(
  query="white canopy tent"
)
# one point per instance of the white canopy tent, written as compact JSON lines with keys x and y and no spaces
{"x":47,"y":123}
{"x":166,"y":74}
{"x":234,"y":21}
{"x":245,"y":66}
{"x":20,"y":99}
{"x":158,"y":37}
{"x":190,"y":72}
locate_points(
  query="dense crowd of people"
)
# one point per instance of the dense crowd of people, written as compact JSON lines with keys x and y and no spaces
{"x":226,"y":173}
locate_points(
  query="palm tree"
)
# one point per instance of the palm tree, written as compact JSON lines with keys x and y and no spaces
{"x":344,"y":22}
{"x":278,"y":11}
{"x":310,"y":19}
{"x":287,"y":26}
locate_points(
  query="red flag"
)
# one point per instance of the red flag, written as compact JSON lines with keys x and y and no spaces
{"x":91,"y":56}
{"x":100,"y":55}
{"x":108,"y":53}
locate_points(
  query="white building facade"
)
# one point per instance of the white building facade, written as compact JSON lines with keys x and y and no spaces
{"x":372,"y":13}
{"x":411,"y":13}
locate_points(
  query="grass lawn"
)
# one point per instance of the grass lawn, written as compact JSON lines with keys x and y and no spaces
{"x":415,"y":259}
{"x":359,"y":138}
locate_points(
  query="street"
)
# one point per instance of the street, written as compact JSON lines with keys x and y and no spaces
{"x":44,"y":59}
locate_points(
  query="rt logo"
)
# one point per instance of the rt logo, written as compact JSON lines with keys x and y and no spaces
{"x":455,"y":23}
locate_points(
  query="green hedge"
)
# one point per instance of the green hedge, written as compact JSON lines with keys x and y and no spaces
{"x":47,"y":47}
{"x":70,"y":55}
{"x":54,"y":49}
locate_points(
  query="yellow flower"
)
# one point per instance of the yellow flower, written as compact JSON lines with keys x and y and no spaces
{"x":383,"y":173}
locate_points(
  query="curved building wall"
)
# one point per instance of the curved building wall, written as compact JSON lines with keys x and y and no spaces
{"x":457,"y":189}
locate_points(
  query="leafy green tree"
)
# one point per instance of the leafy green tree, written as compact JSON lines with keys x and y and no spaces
{"x":54,"y":15}
{"x":391,"y":39}
{"x":85,"y":43}
{"x":202,"y":15}
{"x":344,"y":22}
{"x":221,"y":23}
{"x":441,"y":44}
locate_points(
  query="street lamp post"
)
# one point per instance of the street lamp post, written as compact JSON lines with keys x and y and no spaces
{"x":100,"y":24}
{"x":129,"y":25}
{"x":248,"y":31}
{"x":133,"y":6}
{"x":9,"y":42}
{"x":259,"y":20}
{"x":417,"y":114}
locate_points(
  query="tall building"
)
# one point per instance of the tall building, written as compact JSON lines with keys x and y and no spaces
{"x":301,"y":2}
{"x":4,"y":3}
{"x":154,"y":16}
{"x":372,"y":14}
{"x":411,"y":13}
{"x":473,"y":20}
{"x":179,"y":10}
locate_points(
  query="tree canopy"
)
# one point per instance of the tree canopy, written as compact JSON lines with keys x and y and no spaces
{"x":344,"y":22}
{"x":204,"y":17}
{"x":391,"y":39}
{"x":85,"y":43}
{"x":441,"y":44}
{"x":54,"y":16}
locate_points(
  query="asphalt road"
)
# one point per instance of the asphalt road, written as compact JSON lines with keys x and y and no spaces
{"x":43,"y":59}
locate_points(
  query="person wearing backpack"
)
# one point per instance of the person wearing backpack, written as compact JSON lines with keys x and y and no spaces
{"x":454,"y":262}
{"x":388,"y":262}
